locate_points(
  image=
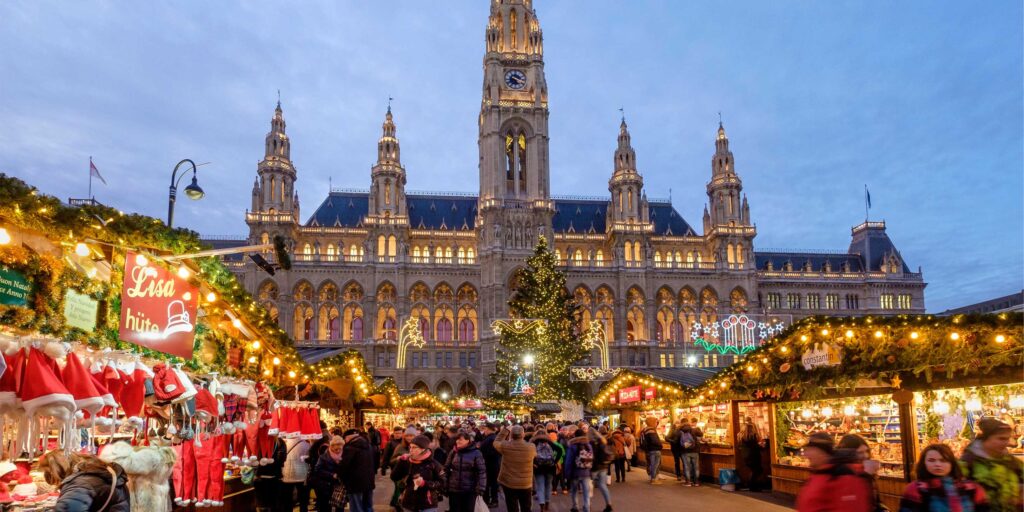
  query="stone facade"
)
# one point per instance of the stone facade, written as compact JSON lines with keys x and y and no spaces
{"x":366,"y":261}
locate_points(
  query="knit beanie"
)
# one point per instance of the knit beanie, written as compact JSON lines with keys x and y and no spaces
{"x":990,"y":427}
{"x":422,"y":441}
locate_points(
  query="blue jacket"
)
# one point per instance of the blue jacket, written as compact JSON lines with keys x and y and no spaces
{"x":570,"y":470}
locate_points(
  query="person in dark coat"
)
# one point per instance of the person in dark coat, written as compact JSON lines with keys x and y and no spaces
{"x":86,"y":482}
{"x":466,"y":474}
{"x":268,"y":480}
{"x":422,"y":475}
{"x":389,"y":450}
{"x":492,"y":459}
{"x":373,"y":436}
{"x":357,"y":471}
{"x":326,"y":474}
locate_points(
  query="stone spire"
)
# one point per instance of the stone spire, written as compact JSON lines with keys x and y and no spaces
{"x":387,"y":189}
{"x":626,"y":184}
{"x":277,"y":143}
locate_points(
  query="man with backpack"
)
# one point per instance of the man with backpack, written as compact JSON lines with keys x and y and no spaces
{"x":650,"y":442}
{"x":545,"y":465}
{"x":689,"y":446}
{"x":579,"y":462}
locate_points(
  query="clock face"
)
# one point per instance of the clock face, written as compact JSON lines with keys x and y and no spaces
{"x":515,"y":79}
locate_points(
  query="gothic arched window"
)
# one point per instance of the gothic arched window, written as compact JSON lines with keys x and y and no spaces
{"x":515,"y":161}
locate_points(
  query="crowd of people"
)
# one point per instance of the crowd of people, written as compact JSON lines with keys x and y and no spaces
{"x":466,"y":463}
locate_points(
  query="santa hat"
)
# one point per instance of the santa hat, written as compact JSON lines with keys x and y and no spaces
{"x":10,"y":380}
{"x":206,"y":405}
{"x":310,"y":424}
{"x":40,"y":387}
{"x":80,"y":384}
{"x":96,"y":371}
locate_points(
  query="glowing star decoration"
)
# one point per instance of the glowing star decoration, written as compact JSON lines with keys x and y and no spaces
{"x":737,"y":334}
{"x":896,"y":381}
{"x":595,"y":337}
{"x":409,"y":335}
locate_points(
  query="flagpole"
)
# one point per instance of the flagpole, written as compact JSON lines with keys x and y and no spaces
{"x":90,"y":177}
{"x":867,"y":203}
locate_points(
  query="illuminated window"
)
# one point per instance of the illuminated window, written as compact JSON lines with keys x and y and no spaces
{"x":392,"y":245}
{"x":387,"y":193}
{"x":512,"y":27}
{"x":793,"y":300}
{"x":774,"y":300}
{"x":832,"y":301}
{"x":382,"y":245}
{"x":813,"y":301}
{"x":905,"y":301}
{"x":886,"y":301}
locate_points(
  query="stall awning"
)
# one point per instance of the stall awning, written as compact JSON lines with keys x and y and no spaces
{"x":313,"y":355}
{"x":689,"y":377}
{"x":545,"y":408}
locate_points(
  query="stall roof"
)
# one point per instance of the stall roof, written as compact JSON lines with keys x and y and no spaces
{"x":313,"y":355}
{"x":689,"y":377}
{"x":545,"y":408}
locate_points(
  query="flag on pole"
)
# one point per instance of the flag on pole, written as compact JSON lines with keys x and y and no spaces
{"x":867,"y":196}
{"x":93,"y":171}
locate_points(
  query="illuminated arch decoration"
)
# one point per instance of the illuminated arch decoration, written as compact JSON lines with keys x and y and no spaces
{"x":409,"y":335}
{"x":736,"y":334}
{"x":518,"y":326}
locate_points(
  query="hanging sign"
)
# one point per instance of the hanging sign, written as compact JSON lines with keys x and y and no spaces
{"x":821,"y":355}
{"x":15,"y":290}
{"x":158,"y":308}
{"x":468,"y":403}
{"x":80,"y":310}
{"x":629,"y":395}
{"x":649,"y":394}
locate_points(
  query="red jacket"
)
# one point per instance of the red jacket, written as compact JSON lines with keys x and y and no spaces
{"x":837,"y":488}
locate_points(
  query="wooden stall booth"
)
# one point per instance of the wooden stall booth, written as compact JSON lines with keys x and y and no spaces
{"x":632,"y":396}
{"x":900,"y":383}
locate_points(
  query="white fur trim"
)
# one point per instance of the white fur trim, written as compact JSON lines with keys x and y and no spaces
{"x":265,"y":461}
{"x":56,"y":350}
{"x":170,"y":388}
{"x":240,"y":425}
{"x":62,"y":399}
{"x":224,"y":460}
{"x":91,"y":403}
{"x":6,"y":467}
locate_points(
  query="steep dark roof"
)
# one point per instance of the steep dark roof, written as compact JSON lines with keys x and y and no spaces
{"x":799,"y":259}
{"x":437,"y":211}
{"x":347,"y":209}
{"x":582,"y":216}
{"x":873,"y":244}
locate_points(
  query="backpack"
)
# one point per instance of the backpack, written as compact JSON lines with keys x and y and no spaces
{"x":673,"y":436}
{"x":605,"y":453}
{"x":585,"y":457}
{"x":686,"y":440}
{"x":545,"y":457}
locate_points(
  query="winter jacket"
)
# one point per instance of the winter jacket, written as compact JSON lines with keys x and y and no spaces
{"x":295,"y":467}
{"x":618,"y":441}
{"x":357,"y":464}
{"x":325,"y":474}
{"x":465,"y":471}
{"x":557,"y":449}
{"x":1000,"y":477}
{"x":389,"y":450}
{"x":630,"y":444}
{"x":87,"y":490}
{"x":673,"y":440}
{"x":650,"y":441}
{"x":603,"y":453}
{"x":570,"y":470}
{"x":688,"y":434}
{"x":491,"y":456}
{"x":427,"y":496}
{"x":943,"y":494}
{"x":316,"y":450}
{"x":837,"y":488}
{"x":516,"y":461}
{"x":374,"y":437}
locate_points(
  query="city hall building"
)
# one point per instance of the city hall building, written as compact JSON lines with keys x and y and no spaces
{"x":365,"y":261}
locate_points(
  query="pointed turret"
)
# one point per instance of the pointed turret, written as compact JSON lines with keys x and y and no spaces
{"x":626,"y":184}
{"x":278,"y":145}
{"x":275,"y":173}
{"x":387,"y":189}
{"x":727,"y":221}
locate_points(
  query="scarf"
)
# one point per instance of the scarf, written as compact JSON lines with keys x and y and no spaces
{"x":944,"y":495}
{"x":335,"y":458}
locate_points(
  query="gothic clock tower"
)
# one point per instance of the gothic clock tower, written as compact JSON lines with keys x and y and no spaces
{"x":515,"y":192}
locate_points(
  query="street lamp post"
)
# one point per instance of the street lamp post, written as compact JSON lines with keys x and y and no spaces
{"x":193,"y":191}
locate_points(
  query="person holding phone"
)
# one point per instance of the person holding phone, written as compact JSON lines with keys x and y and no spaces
{"x":422,"y":475}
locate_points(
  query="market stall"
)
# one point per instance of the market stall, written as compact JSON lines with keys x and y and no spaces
{"x":632,"y":396}
{"x":900,"y":383}
{"x":110,"y":333}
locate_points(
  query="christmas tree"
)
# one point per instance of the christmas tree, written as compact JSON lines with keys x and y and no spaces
{"x":541,"y":295}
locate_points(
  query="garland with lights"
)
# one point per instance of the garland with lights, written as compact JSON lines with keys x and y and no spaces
{"x":902,"y":351}
{"x":541,"y":295}
{"x":667,"y":391}
{"x":23,"y":207}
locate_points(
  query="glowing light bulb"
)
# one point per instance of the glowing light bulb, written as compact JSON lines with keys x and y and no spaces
{"x":849,"y":333}
{"x":277,"y":361}
{"x":256,"y":345}
{"x":940,"y":407}
{"x":783,"y":349}
{"x":252,"y":359}
{"x":81,"y":249}
{"x":914,"y":335}
{"x":806,"y":413}
{"x":211,"y":297}
{"x":291,"y":374}
{"x":849,"y":410}
{"x":875,"y":409}
{"x":803,"y":338}
{"x":1000,"y":338}
{"x":141,"y":260}
{"x":750,"y":368}
{"x":236,"y":322}
{"x":824,"y":332}
{"x":918,"y":399}
{"x":826,"y":412}
{"x":266,"y":372}
{"x":954,"y":336}
{"x":184,"y":272}
{"x":878,"y":334}
{"x":973,"y":404}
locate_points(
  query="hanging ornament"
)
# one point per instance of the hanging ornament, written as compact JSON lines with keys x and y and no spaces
{"x":785,"y":367}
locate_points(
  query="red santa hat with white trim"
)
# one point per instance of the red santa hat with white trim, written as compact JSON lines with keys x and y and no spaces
{"x":40,"y":387}
{"x":80,"y":384}
{"x":10,"y":381}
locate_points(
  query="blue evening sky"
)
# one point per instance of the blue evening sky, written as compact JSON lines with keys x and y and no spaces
{"x":921,"y":100}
